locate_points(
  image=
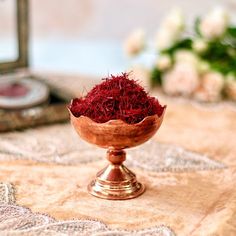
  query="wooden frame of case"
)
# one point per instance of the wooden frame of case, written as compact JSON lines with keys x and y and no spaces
{"x":22,"y":33}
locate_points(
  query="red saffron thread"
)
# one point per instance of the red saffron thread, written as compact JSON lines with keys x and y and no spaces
{"x":118,"y":97}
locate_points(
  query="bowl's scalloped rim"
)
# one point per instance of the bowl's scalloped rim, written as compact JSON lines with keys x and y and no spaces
{"x":119,"y":121}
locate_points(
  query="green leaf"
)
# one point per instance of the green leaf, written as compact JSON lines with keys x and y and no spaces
{"x":221,"y":56}
{"x":196,"y":26}
{"x":156,"y":77}
{"x":231,"y":31}
{"x":183,"y":44}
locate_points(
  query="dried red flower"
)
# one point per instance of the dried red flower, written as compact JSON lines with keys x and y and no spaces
{"x":118,"y":97}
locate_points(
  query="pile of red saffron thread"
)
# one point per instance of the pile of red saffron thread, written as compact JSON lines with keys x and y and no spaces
{"x":117,"y":97}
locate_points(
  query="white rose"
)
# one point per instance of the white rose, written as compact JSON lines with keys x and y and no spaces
{"x":183,"y":79}
{"x":203,"y":66}
{"x":214,"y":24}
{"x":165,"y":39}
{"x":211,"y":87}
{"x":230,"y":86}
{"x":170,"y":30}
{"x":199,"y":45}
{"x":186,"y":56}
{"x":163,"y":62}
{"x":213,"y":81}
{"x":174,"y":21}
{"x":135,"y":42}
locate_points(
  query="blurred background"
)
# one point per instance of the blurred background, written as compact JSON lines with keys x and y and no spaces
{"x":86,"y":36}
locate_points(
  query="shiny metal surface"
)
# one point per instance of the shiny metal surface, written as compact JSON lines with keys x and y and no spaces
{"x":116,"y":182}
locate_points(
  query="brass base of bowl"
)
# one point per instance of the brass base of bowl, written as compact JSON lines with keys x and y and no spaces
{"x":116,"y":182}
{"x":126,"y":187}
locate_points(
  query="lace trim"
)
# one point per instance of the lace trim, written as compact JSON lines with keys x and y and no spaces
{"x":7,"y":193}
{"x":59,"y":144}
{"x":163,"y":157}
{"x":17,"y":220}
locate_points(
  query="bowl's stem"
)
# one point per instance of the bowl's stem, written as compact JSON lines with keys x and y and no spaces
{"x":116,"y":182}
{"x":116,"y":156}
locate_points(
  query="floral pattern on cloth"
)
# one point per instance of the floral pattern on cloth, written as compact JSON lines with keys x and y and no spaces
{"x":66,"y":148}
{"x":7,"y":195}
{"x":17,"y":220}
{"x":164,"y":157}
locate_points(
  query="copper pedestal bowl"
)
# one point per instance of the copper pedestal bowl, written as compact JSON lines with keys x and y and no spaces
{"x":116,"y":182}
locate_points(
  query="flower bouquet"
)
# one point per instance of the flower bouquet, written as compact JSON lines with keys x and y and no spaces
{"x":200,"y":63}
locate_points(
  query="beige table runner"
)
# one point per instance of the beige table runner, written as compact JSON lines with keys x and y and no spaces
{"x":188,"y":168}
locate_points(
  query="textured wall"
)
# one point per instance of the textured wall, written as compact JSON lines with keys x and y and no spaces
{"x":99,"y":19}
{"x":86,"y":31}
{"x":108,"y":18}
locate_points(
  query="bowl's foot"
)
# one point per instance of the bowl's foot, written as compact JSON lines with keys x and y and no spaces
{"x":116,"y":182}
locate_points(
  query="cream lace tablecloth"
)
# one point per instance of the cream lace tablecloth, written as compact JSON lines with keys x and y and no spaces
{"x":188,"y":168}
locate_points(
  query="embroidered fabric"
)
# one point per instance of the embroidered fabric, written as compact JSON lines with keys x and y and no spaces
{"x":17,"y":220}
{"x":6,"y":193}
{"x":59,"y":144}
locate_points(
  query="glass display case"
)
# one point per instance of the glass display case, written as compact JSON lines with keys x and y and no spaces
{"x":26,"y":100}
